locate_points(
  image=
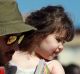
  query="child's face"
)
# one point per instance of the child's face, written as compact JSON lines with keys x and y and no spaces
{"x":51,"y":46}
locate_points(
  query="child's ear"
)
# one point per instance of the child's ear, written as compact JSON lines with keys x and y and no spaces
{"x":11,"y":39}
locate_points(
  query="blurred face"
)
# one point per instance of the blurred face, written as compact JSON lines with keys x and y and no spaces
{"x":51,"y":46}
{"x":7,"y":49}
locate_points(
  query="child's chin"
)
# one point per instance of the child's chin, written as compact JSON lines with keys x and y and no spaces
{"x":51,"y":57}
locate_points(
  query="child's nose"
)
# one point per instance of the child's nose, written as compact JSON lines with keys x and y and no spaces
{"x":60,"y":46}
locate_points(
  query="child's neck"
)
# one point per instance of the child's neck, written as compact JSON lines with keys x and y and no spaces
{"x":25,"y":60}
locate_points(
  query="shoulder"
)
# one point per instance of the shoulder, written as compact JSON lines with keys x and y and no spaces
{"x":55,"y":67}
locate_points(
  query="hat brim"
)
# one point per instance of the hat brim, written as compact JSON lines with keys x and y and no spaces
{"x":15,"y":28}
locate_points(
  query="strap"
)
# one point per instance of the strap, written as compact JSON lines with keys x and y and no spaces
{"x":42,"y":68}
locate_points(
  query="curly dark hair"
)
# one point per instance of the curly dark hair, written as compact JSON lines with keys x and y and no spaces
{"x":48,"y":20}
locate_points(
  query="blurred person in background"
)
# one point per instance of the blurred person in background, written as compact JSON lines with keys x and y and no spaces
{"x":72,"y":69}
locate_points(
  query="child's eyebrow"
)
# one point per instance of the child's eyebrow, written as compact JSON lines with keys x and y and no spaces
{"x":61,"y":37}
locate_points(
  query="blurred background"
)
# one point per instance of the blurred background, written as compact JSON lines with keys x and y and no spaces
{"x":71,"y":52}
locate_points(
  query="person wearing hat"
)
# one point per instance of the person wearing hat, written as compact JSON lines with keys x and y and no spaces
{"x":11,"y":25}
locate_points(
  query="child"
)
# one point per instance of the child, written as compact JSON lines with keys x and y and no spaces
{"x":40,"y":47}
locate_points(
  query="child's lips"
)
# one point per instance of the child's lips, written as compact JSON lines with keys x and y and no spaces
{"x":56,"y":53}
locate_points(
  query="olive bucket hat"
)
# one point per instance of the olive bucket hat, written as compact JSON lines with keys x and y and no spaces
{"x":11,"y":19}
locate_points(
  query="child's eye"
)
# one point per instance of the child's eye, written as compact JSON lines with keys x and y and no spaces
{"x":59,"y":40}
{"x":63,"y":41}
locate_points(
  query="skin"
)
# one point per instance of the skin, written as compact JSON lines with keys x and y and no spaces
{"x":50,"y":47}
{"x":55,"y":67}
